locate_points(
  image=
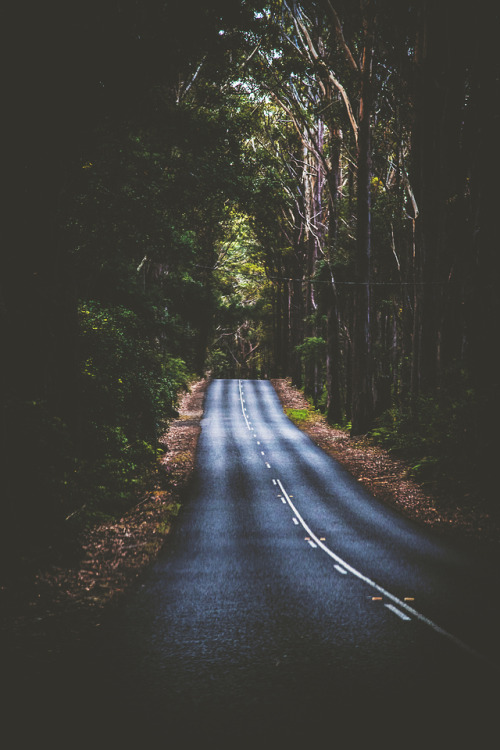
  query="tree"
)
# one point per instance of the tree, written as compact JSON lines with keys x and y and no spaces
{"x":122,"y":157}
{"x":362,"y":385}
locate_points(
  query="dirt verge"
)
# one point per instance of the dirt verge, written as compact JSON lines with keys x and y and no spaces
{"x":62,"y":602}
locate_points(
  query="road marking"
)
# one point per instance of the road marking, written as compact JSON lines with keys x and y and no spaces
{"x":262,"y":453}
{"x":401,"y":604}
{"x":340,"y":570}
{"x":274,"y":482}
{"x":312,"y":544}
{"x":283,"y":500}
{"x":268,"y":465}
{"x":242,"y":407}
{"x":397,"y":612}
{"x":295,"y":521}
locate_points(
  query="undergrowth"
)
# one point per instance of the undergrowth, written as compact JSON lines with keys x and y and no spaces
{"x":435,"y":434}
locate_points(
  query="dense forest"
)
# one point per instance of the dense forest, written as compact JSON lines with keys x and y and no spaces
{"x":244,"y":189}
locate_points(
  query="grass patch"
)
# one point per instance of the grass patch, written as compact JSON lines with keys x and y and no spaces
{"x":303,"y":416}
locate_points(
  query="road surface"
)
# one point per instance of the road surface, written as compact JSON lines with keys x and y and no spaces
{"x":291,"y":608}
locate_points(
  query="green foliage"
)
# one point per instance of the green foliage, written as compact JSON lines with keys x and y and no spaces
{"x":129,"y":390}
{"x":218,"y":363}
{"x":142,"y":223}
{"x":301,"y":416}
{"x":312,"y":348}
{"x":125,"y":378}
{"x":243,"y":312}
{"x":435,"y":433}
{"x":298,"y":415}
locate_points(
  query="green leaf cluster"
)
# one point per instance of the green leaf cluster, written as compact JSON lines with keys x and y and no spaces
{"x":434,"y":433}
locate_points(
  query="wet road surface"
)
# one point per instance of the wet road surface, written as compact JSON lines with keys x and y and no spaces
{"x":290,"y":608}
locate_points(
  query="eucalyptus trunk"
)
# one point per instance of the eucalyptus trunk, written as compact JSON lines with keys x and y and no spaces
{"x":362,"y":376}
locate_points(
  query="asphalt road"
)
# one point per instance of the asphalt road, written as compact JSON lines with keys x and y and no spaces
{"x":291,"y":608}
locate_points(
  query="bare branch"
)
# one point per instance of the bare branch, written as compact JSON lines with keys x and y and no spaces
{"x":340,"y":35}
{"x":245,"y":62}
{"x":347,"y":103}
{"x":183,"y":89}
{"x":313,"y":55}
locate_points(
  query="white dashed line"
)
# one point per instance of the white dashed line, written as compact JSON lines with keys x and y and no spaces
{"x":343,"y":567}
{"x":397,"y":612}
{"x":349,"y":568}
{"x":295,"y":521}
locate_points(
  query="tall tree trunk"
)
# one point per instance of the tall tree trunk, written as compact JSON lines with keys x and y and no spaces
{"x":362,"y":395}
{"x":439,"y":84}
{"x":334,"y":407}
{"x":334,"y":400}
{"x":296,"y":336}
{"x":278,"y":331}
{"x":483,"y":298}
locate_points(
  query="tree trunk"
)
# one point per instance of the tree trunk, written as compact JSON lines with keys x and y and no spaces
{"x":334,"y":400}
{"x":334,"y":408}
{"x":362,"y":394}
{"x":483,"y":299}
{"x":295,"y":322}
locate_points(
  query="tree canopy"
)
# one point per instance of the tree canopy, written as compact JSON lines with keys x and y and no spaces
{"x":280,"y":189}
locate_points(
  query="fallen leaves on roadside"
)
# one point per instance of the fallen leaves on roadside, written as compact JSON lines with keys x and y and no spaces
{"x":63,"y":601}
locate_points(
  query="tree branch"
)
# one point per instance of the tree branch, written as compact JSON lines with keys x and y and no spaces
{"x":314,"y":56}
{"x":340,"y":35}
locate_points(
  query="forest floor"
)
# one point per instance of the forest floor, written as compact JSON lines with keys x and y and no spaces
{"x":54,"y":604}
{"x":60,"y":603}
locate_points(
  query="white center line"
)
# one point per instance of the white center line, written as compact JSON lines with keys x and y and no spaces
{"x":380,"y":589}
{"x":242,"y":407}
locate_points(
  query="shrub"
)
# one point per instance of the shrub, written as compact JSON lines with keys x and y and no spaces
{"x":435,"y":433}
